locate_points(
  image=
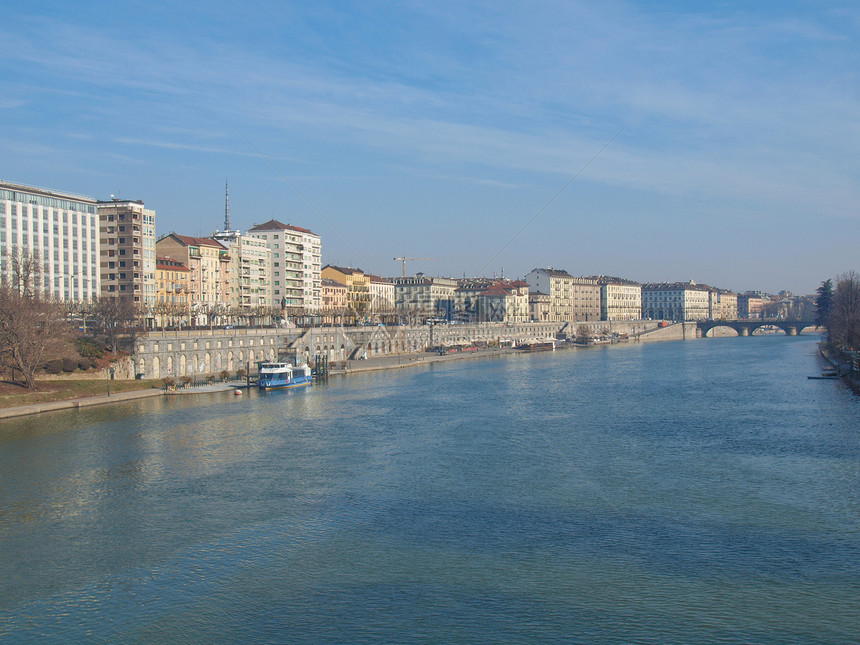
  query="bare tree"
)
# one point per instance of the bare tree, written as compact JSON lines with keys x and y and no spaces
{"x":116,"y":316}
{"x":24,"y":272}
{"x":844,"y":323}
{"x":32,"y":330}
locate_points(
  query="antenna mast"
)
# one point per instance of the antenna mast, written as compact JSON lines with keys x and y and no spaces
{"x":226,"y":206}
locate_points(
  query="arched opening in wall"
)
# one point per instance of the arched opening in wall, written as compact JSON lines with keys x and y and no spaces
{"x":156,"y":367}
{"x":251,"y":357}
{"x":196,"y":364}
{"x":141,"y":367}
{"x":207,"y":363}
{"x":342,"y":352}
{"x":170,"y":365}
{"x":272,"y":354}
{"x":230,"y":361}
{"x":183,"y":365}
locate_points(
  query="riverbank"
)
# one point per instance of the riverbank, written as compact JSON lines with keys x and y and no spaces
{"x":385,"y":362}
{"x":352,"y":367}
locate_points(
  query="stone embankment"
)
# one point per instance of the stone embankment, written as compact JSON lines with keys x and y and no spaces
{"x":203,"y":352}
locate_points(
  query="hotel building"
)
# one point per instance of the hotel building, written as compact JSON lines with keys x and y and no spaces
{"x":61,"y":229}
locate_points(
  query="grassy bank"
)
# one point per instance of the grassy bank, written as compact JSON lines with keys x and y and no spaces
{"x":12,"y":395}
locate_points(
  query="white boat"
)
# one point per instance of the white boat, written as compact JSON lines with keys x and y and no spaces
{"x":276,"y":376}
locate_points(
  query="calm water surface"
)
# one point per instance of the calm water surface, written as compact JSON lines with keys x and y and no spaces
{"x":700,"y":491}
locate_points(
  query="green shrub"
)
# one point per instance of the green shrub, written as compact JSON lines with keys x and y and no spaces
{"x":84,"y":364}
{"x":69,"y":365}
{"x":54,"y":366}
{"x":88,"y":348}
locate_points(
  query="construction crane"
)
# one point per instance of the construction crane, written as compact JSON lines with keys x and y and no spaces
{"x":404,"y":259}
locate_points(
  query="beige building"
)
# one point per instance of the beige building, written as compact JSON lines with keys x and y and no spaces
{"x":750,"y":305}
{"x":334,"y":301}
{"x":172,"y":281}
{"x":209,"y":282}
{"x":295,"y":265}
{"x":620,"y":299}
{"x":539,"y":306}
{"x":357,"y":287}
{"x":128,"y":251}
{"x":570,"y":298}
{"x":723,"y":305}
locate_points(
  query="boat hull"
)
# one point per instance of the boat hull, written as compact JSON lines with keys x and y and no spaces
{"x":283,"y":385}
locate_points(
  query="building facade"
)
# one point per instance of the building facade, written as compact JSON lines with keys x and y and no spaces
{"x":172,"y":280}
{"x":570,"y":298}
{"x":421,"y":296}
{"x":61,"y":230}
{"x":723,"y":305}
{"x":357,"y":287}
{"x":334,"y":301}
{"x":677,"y":301}
{"x":128,"y":251}
{"x":381,"y":295}
{"x":209,"y":281}
{"x":250,"y":283}
{"x":539,"y":306}
{"x":750,"y":305}
{"x":295,"y":265}
{"x":620,"y":299}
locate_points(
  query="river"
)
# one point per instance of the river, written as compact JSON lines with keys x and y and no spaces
{"x":698,"y":491}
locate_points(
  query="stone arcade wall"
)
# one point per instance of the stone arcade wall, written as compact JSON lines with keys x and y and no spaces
{"x":202,"y":352}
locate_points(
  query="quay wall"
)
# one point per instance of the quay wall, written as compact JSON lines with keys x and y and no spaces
{"x":197,"y":353}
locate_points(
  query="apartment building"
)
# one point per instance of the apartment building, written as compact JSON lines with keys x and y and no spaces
{"x":61,"y":229}
{"x":723,"y":305}
{"x":173,"y":293}
{"x":676,"y":301}
{"x":250,"y":284}
{"x":128,"y":251}
{"x":209,"y":282}
{"x":422,"y":296}
{"x":570,"y":298}
{"x":381,"y":294}
{"x":357,"y":287}
{"x":295,"y":264}
{"x":620,"y":299}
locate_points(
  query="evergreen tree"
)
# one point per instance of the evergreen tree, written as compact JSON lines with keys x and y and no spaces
{"x":824,"y":303}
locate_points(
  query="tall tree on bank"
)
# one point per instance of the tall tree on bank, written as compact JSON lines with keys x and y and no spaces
{"x":824,"y":303}
{"x":844,"y":322}
{"x":33,"y":327}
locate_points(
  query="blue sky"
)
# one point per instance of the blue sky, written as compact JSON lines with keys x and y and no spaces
{"x":659,"y":141}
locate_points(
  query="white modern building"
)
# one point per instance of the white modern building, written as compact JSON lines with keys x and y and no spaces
{"x":61,"y":229}
{"x":295,"y":264}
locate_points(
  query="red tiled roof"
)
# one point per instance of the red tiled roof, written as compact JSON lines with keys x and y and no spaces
{"x":275,"y":225}
{"x":188,"y":240}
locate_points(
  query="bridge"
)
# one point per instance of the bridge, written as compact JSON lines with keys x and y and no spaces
{"x":745,"y":327}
